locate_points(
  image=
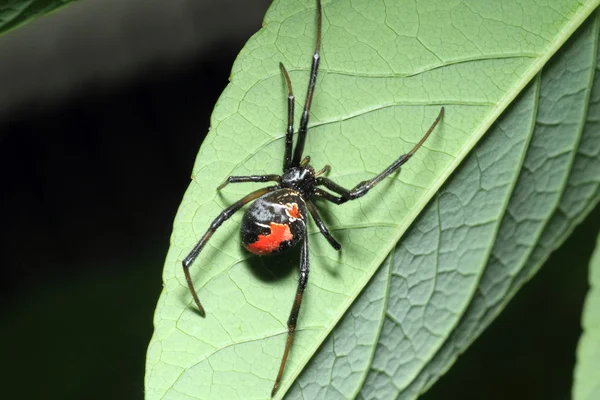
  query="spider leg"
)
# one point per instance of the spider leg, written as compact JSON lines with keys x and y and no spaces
{"x":293,"y":318}
{"x":323,"y":170}
{"x":321,"y":225}
{"x":224,"y":216}
{"x":289,"y":135}
{"x":328,"y":196}
{"x":331,"y":185}
{"x":305,"y":161}
{"x":309,"y":95}
{"x":249,"y":178}
{"x":363,"y":187}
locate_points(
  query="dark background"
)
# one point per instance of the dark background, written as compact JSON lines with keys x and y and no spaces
{"x":102,"y":113}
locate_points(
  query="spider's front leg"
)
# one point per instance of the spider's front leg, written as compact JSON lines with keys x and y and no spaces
{"x":312,"y":82}
{"x":293,"y":318}
{"x":289,"y":135}
{"x":363,"y":188}
{"x":224,"y":216}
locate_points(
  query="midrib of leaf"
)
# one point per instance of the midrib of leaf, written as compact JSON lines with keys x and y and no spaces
{"x":175,"y":356}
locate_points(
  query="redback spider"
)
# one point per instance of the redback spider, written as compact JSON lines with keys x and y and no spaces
{"x":277,"y":219}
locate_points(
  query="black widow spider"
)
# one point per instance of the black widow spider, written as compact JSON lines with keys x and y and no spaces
{"x":276,"y":221}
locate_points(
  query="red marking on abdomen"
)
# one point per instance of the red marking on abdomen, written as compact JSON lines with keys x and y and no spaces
{"x":266,"y":244}
{"x":292,"y":210}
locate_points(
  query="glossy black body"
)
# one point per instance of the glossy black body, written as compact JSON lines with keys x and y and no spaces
{"x":301,"y":179}
{"x":284,"y":207}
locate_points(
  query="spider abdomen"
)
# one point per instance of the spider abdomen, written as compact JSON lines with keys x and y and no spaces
{"x":274,"y":223}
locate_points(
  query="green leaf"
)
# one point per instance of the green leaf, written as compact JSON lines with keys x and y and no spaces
{"x":555,"y":171}
{"x":14,"y":13}
{"x":587,"y":385}
{"x":386,"y":70}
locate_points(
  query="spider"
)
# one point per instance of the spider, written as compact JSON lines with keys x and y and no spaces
{"x":277,"y":219}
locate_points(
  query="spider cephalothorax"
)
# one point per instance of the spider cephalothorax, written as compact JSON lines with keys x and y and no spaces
{"x":276,"y":220}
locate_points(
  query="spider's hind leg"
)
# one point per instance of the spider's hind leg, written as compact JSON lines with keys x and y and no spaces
{"x":293,"y":318}
{"x":224,"y":216}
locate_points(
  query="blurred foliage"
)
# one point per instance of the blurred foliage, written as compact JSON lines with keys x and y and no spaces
{"x":14,"y":13}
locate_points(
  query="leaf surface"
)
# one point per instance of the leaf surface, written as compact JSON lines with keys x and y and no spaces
{"x":587,"y":385}
{"x":386,"y":69}
{"x":556,"y":183}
